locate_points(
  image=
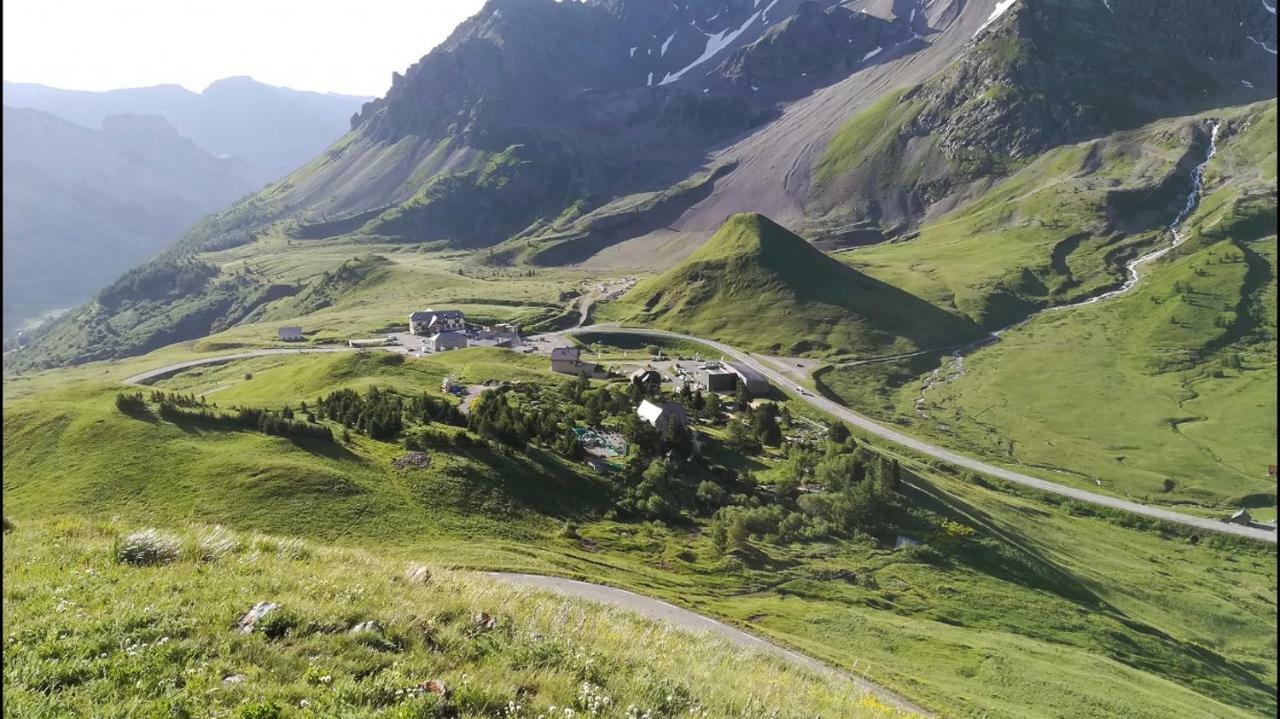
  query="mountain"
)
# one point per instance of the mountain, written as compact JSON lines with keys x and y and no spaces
{"x":756,"y":284}
{"x":81,"y":206}
{"x":274,"y":128}
{"x":617,"y":135}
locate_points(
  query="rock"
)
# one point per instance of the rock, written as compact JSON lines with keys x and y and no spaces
{"x":412,"y":460}
{"x":255,"y":613}
{"x":233,"y":679}
{"x":483,"y":621}
{"x":370,"y":627}
{"x":434,"y":686}
{"x":417,"y":574}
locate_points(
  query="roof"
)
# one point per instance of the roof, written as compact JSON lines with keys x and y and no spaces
{"x":565,"y":353}
{"x":429,"y":314}
{"x":651,"y":413}
{"x":646,"y":375}
{"x":290,"y":330}
{"x":447,"y":335}
{"x":748,"y":375}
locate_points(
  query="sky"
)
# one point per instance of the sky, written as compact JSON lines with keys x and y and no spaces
{"x":348,"y":47}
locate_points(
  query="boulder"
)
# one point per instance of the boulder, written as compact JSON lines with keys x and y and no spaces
{"x":255,"y":613}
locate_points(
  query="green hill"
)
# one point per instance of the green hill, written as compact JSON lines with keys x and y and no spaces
{"x":758,"y":285}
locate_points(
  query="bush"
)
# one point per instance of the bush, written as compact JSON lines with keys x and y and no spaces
{"x":261,"y":710}
{"x":216,"y":544}
{"x":131,"y":403}
{"x":277,"y":624}
{"x":148,"y":547}
{"x":8,"y":525}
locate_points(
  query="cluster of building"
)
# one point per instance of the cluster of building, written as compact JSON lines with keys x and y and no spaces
{"x":445,"y":330}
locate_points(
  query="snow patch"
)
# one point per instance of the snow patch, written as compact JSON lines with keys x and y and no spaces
{"x":665,"y":44}
{"x":650,"y":83}
{"x":872,"y":54}
{"x":1109,"y":8}
{"x":715,"y":43}
{"x":633,"y":51}
{"x":1270,"y":8}
{"x":1001,"y":7}
{"x":1261,"y":44}
{"x":1247,"y":84}
{"x":765,"y":15}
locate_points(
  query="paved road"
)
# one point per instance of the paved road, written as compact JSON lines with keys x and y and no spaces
{"x":658,"y":609}
{"x":825,"y":405}
{"x":923,"y":447}
{"x":161,"y":372}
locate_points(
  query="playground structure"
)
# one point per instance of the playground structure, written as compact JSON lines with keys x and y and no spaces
{"x":601,"y":443}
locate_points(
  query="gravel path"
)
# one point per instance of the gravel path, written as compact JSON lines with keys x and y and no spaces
{"x":685,"y":619}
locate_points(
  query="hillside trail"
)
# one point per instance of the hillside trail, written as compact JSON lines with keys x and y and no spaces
{"x":685,"y":619}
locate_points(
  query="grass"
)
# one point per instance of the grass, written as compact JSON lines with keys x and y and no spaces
{"x":1175,"y":380}
{"x":85,"y":633}
{"x":1144,"y":624}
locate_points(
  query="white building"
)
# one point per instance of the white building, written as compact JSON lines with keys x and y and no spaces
{"x":443,"y":341}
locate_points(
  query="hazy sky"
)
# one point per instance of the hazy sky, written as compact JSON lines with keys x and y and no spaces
{"x":349,"y":47}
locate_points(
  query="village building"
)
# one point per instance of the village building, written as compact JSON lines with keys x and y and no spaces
{"x":565,"y":359}
{"x":662,"y":414}
{"x":289,"y":334}
{"x":431,"y":322}
{"x":717,"y":378}
{"x":443,"y":341}
{"x":755,"y":382}
{"x":1241,"y":517}
{"x":647,"y":378}
{"x":568,"y":360}
{"x":366,"y":343}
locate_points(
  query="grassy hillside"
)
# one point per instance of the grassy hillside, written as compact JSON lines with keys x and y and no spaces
{"x":757,"y":285}
{"x":1175,"y":380}
{"x":88,"y":633}
{"x":959,"y":627}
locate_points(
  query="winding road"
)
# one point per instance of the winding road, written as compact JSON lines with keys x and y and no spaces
{"x":921,"y":446}
{"x":822,"y":404}
{"x":685,"y":619}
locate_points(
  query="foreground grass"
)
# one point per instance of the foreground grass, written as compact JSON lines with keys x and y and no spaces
{"x":87,"y":634}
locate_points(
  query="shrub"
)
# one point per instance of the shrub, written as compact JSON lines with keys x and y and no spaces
{"x":278,"y":624}
{"x":148,"y":547}
{"x":261,"y":710}
{"x":131,"y":404}
{"x":216,"y":544}
{"x":8,"y":525}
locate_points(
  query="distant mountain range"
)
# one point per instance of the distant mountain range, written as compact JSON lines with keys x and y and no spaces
{"x":81,"y":206}
{"x":96,"y":182}
{"x":273,"y":128}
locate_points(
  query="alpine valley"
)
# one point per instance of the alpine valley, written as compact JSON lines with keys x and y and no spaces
{"x":990,"y":286}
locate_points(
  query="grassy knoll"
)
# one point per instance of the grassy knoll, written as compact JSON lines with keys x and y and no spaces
{"x":1044,"y":610}
{"x":757,"y":285}
{"x":86,"y":633}
{"x":1173,"y":381}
